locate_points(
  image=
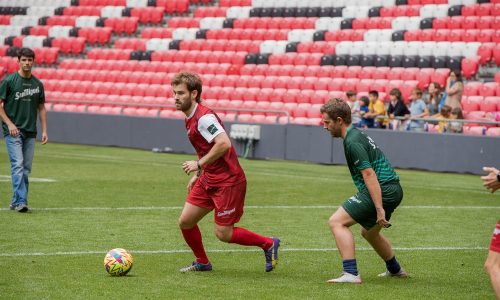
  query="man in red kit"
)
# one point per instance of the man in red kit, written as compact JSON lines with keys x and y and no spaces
{"x":492,"y":264}
{"x":219,"y":182}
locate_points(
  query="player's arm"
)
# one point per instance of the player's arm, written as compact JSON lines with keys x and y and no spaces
{"x":13,"y":131}
{"x":42,"y":112}
{"x":213,"y":132}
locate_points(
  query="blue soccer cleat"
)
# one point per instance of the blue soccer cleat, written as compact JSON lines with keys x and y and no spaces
{"x":197,"y":267}
{"x":272,"y":255}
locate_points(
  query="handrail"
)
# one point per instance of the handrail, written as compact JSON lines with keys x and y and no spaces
{"x":154,"y":105}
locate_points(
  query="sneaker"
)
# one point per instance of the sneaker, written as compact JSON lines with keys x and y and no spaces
{"x":22,"y":208}
{"x":12,"y":207}
{"x":197,"y":267}
{"x":400,"y":274}
{"x":272,"y":255}
{"x":346,"y":278}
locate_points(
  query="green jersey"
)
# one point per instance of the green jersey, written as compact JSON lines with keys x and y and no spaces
{"x":21,"y":97}
{"x":361,"y":153}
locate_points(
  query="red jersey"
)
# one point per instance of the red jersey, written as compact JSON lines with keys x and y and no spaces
{"x":203,"y":125}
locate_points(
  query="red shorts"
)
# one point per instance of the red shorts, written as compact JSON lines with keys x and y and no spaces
{"x":495,"y":240}
{"x":228,"y":201}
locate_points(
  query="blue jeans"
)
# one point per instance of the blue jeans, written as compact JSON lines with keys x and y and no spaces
{"x":21,"y":151}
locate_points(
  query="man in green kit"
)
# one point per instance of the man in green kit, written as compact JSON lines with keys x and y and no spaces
{"x":379,"y":193}
{"x":23,"y":100}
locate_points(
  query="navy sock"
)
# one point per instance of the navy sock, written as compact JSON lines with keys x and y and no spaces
{"x":393,"y":265}
{"x":350,"y":266}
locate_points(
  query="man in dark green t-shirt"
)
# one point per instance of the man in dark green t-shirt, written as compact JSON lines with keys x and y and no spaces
{"x":23,"y":100}
{"x":379,"y":193}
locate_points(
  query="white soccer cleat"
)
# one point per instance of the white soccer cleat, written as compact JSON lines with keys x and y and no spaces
{"x":400,"y":274}
{"x":346,"y":278}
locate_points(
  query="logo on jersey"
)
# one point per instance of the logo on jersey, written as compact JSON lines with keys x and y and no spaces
{"x":27,"y":92}
{"x":356,"y":162}
{"x":212,"y":129}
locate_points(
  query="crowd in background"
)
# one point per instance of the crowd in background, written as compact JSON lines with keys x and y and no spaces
{"x":437,"y":103}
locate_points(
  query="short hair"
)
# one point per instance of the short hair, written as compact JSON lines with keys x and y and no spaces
{"x":364,"y":100}
{"x":458,"y":74}
{"x":337,"y":108}
{"x":446,"y":109}
{"x":417,"y":91}
{"x":26,"y":52}
{"x":373,"y":93}
{"x":192,"y":81}
{"x":395,"y":92}
{"x":350,"y":93}
{"x":457,"y":111}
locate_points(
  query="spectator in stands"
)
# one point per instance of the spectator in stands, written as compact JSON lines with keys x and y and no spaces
{"x":492,"y":264}
{"x":377,"y":109}
{"x":418,"y":109}
{"x":454,"y":90}
{"x":454,"y":126}
{"x":363,"y":110}
{"x":445,"y":113}
{"x":397,"y":108}
{"x":23,"y":99}
{"x":434,"y":98}
{"x":355,"y":106}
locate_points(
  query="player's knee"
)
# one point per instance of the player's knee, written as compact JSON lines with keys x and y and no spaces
{"x":223,"y":233}
{"x":184,"y":223}
{"x":364,"y":233}
{"x":333,"y":222}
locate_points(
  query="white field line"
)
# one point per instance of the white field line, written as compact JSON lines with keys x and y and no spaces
{"x":252,"y":207}
{"x":6,"y":178}
{"x":166,"y":251}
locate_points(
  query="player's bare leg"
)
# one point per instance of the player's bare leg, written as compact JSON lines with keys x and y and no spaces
{"x":188,"y":223}
{"x":244,"y":237}
{"x":384,"y":249}
{"x":492,"y":267}
{"x":339,"y":224}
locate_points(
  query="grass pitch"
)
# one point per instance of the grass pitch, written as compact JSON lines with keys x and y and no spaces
{"x":104,"y":198}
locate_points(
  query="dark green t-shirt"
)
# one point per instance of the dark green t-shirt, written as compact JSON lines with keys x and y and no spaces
{"x":361,"y":153}
{"x":21,"y":97}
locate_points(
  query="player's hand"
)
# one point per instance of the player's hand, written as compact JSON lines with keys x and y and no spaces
{"x":191,"y":183}
{"x":490,"y":181}
{"x":190,"y":166}
{"x":381,"y":218}
{"x":13,"y":131}
{"x":45,"y":138}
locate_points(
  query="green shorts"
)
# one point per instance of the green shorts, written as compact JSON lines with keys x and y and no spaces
{"x":361,"y":208}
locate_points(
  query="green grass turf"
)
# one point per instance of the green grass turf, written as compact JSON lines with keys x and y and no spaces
{"x":153,"y":185}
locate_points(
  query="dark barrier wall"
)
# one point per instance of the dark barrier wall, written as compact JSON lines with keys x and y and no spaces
{"x":448,"y":152}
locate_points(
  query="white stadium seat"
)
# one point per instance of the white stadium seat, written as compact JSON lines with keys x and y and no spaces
{"x":398,"y":48}
{"x":24,"y":21}
{"x":237,"y":12}
{"x":301,"y":35}
{"x":427,"y":49}
{"x":137,"y":3}
{"x":32,"y":41}
{"x":157,"y":44}
{"x":212,"y":23}
{"x":86,"y":21}
{"x":112,"y":11}
{"x":41,"y":11}
{"x":9,"y":30}
{"x":59,"y":31}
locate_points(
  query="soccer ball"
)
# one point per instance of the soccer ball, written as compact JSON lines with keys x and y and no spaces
{"x":118,"y":262}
